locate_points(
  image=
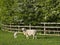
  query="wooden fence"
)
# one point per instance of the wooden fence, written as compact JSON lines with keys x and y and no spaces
{"x":43,"y":27}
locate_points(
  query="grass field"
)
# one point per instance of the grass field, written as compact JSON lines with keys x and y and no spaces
{"x":6,"y":38}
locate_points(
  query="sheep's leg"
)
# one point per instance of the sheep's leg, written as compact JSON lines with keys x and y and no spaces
{"x":33,"y":36}
{"x":27,"y":37}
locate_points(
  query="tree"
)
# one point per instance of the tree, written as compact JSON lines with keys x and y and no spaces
{"x":29,"y":11}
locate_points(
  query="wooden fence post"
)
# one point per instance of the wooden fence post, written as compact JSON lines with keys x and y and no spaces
{"x":29,"y":26}
{"x":44,"y":29}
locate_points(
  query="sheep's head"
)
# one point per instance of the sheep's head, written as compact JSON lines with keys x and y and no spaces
{"x":23,"y":29}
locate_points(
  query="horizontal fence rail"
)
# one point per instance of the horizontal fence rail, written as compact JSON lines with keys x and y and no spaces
{"x":33,"y":26}
{"x":43,"y":27}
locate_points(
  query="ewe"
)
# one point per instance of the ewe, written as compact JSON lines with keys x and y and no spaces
{"x":29,"y":32}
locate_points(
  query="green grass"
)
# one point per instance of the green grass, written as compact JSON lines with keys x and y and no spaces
{"x":7,"y":38}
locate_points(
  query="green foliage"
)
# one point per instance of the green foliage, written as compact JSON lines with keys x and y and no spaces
{"x":30,"y":11}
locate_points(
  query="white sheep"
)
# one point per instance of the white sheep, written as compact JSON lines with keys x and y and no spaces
{"x":29,"y":32}
{"x":15,"y":34}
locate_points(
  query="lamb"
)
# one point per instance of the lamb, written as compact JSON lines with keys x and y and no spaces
{"x":15,"y":34}
{"x":29,"y":32}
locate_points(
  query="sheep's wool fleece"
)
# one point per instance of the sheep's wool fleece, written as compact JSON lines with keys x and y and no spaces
{"x":30,"y":32}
